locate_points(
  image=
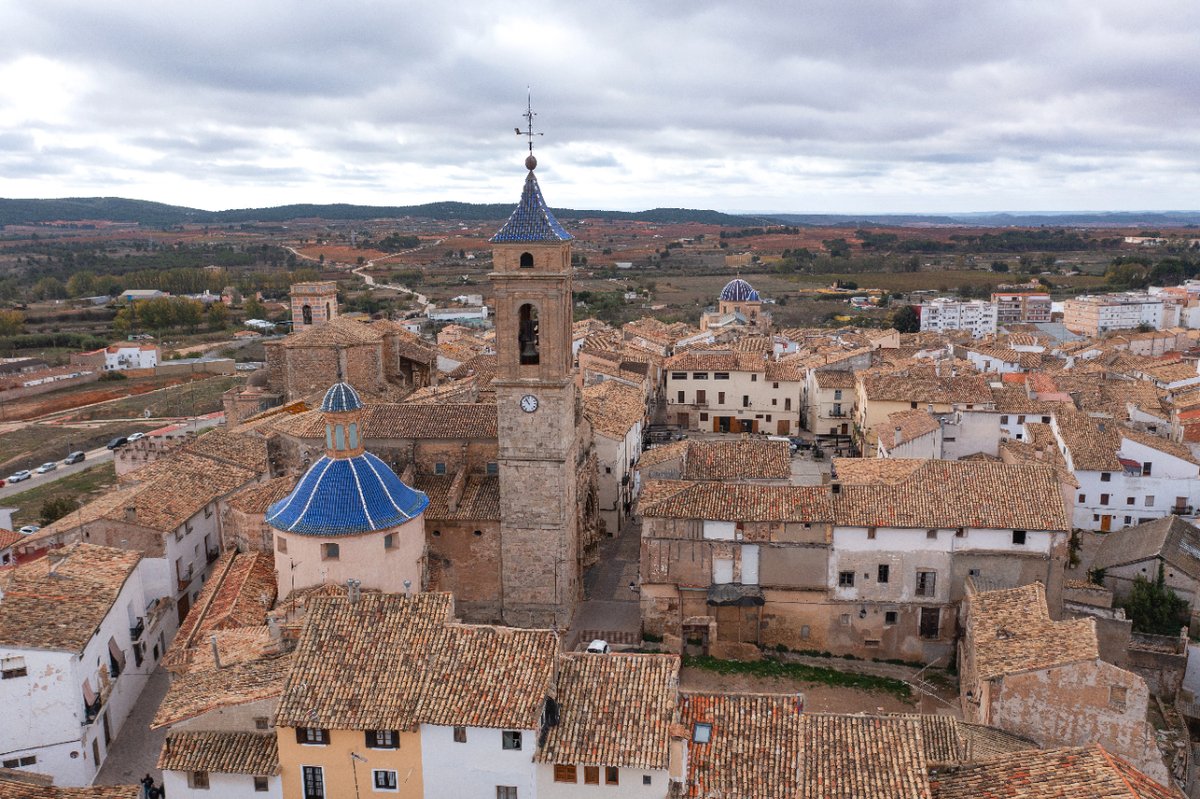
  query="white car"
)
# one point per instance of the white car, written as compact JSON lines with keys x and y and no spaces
{"x":17,"y":477}
{"x":48,"y":466}
{"x":599,"y":647}
{"x":136,"y":437}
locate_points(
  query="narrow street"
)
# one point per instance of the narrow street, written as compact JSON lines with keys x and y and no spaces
{"x":610,"y":610}
{"x":134,"y":752}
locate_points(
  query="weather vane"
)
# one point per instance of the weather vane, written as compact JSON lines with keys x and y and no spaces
{"x":530,"y":162}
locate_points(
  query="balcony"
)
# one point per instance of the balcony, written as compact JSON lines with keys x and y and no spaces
{"x":837,"y":415}
{"x":185,"y":579}
{"x":90,"y":712}
{"x":135,"y":632}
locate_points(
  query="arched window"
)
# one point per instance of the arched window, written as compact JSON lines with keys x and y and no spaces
{"x":527,"y":335}
{"x":328,"y":436}
{"x":353,"y":435}
{"x":328,"y":312}
{"x":339,"y":437}
{"x":526,"y":260}
{"x":306,"y":312}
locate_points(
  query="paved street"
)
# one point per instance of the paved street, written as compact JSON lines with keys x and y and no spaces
{"x":610,"y":610}
{"x":95,"y":456}
{"x":135,"y":751}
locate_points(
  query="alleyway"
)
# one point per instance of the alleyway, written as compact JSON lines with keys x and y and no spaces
{"x":610,"y":610}
{"x":135,"y":751}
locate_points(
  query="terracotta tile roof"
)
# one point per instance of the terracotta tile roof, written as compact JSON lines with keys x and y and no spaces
{"x":394,"y":420}
{"x":480,"y":676}
{"x":963,"y":389}
{"x":249,"y":672}
{"x":253,"y":753}
{"x":1169,"y":538}
{"x":1040,"y":447}
{"x":1015,"y":399}
{"x":240,"y":593}
{"x":613,"y":408}
{"x":785,"y":371}
{"x":257,"y":497}
{"x":846,"y":757}
{"x":711,"y":360}
{"x":337,"y":331}
{"x":664,"y":452}
{"x":614,"y":710}
{"x":912,"y":424}
{"x":24,"y":785}
{"x":1092,"y":444}
{"x":834,"y":378}
{"x":408,"y":344}
{"x":465,"y":390}
{"x":391,"y":661}
{"x":480,"y":498}
{"x":1010,"y":631}
{"x":659,"y":332}
{"x":224,"y":446}
{"x":1068,"y":773}
{"x":749,"y":459}
{"x":755,"y":749}
{"x":721,"y":501}
{"x":177,"y":488}
{"x":1161,"y":444}
{"x":1026,"y":360}
{"x":61,"y":610}
{"x":9,"y":537}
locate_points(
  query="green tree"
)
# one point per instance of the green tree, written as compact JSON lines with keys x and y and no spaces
{"x":906,"y":320}
{"x":187,"y":312}
{"x":11,"y":323}
{"x":254,"y":309}
{"x":55,"y":508}
{"x":1154,"y":608}
{"x":49,"y":288}
{"x":125,"y":321}
{"x":218,"y":316}
{"x":999,"y":266}
{"x":81,"y":284}
{"x":157,"y":314}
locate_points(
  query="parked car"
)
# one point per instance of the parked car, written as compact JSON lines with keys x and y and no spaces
{"x":599,"y":647}
{"x":117,"y":442}
{"x":48,"y":466}
{"x":75,"y":457}
{"x":136,"y":437}
{"x":29,"y":529}
{"x":17,"y":477}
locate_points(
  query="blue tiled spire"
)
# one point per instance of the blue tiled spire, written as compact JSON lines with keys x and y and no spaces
{"x":346,"y":496}
{"x":341,"y":397}
{"x":531,"y":220}
{"x":738,"y":290}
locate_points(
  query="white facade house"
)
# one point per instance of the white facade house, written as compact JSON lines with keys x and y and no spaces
{"x":130,"y":356}
{"x":617,"y":412}
{"x":451,"y":314}
{"x":69,"y":679}
{"x":598,"y":782}
{"x":975,"y":316}
{"x":1095,"y":314}
{"x":477,"y":761}
{"x":189,"y":785}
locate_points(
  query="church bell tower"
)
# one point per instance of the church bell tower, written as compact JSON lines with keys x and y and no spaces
{"x":538,"y":414}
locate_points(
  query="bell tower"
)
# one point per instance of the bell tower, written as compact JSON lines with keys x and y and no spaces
{"x":538,"y":414}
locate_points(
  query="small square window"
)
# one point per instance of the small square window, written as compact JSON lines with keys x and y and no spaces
{"x":704,"y":417}
{"x":460,"y":735}
{"x":439,"y":468}
{"x":493,"y":468}
{"x":262,"y":723}
{"x":645,"y":779}
{"x":11,"y":668}
{"x":612,"y":775}
{"x":389,"y":541}
{"x":870,"y":533}
{"x":1149,"y":500}
{"x":884,"y":572}
{"x":260,"y":784}
{"x":312,"y":736}
{"x":890,"y":617}
{"x":1105,"y":477}
{"x":931,"y":534}
{"x":506,"y":792}
{"x":564,"y":772}
{"x":845,"y":579}
{"x":701,"y":733}
{"x":281,"y":544}
{"x":845,"y":619}
{"x":384,"y":779}
{"x":510,"y":739}
{"x":1003,"y":420}
{"x":198,"y":780}
{"x":330,"y":551}
{"x":1118,"y":695}
{"x":1018,"y":537}
{"x":591,"y":775}
{"x":1083,"y":498}
{"x":383,"y":739}
{"x":1146,"y":467}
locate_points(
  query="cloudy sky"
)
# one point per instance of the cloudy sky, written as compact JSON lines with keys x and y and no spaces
{"x":838,"y":106}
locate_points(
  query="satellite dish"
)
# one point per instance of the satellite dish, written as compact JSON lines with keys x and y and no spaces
{"x":146,"y":414}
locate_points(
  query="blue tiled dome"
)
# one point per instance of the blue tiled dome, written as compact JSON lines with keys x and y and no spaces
{"x":738,"y":290}
{"x":532,"y":220}
{"x":346,"y":496}
{"x":341,"y":397}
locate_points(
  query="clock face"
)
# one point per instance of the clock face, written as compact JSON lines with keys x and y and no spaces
{"x":529,"y":403}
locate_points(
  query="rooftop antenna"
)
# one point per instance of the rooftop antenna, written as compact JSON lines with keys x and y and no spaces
{"x":529,"y":132}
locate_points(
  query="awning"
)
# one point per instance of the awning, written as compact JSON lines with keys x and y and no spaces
{"x":729,"y":594}
{"x":89,"y":696}
{"x":116,"y":653}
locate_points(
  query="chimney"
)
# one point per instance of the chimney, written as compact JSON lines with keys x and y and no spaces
{"x":897,"y":436}
{"x":1038,"y":453}
{"x":216,"y":653}
{"x":408,"y":587}
{"x":800,"y":702}
{"x":353,"y":590}
{"x":131,"y":514}
{"x":929,"y":407}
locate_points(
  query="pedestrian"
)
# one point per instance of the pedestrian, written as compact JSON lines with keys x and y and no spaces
{"x":147,"y":785}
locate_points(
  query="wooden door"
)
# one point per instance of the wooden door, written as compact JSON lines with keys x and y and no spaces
{"x":783,"y":427}
{"x":1105,"y":523}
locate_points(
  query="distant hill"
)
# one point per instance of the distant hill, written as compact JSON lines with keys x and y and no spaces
{"x":152,"y":214}
{"x":116,"y":209}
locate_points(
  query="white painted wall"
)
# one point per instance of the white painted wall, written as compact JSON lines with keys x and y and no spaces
{"x":630,"y":785}
{"x":475,"y":768}
{"x":221,"y":786}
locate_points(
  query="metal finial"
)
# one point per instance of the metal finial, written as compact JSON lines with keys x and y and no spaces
{"x":529,"y":132}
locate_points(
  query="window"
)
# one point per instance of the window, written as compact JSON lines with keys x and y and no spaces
{"x":591,"y":775}
{"x":804,"y":632}
{"x":931,"y":620}
{"x":701,"y":733}
{"x":330,"y":551}
{"x":19,"y":762}
{"x":774,"y":385}
{"x":844,"y":620}
{"x":699,"y":375}
{"x":1003,"y":420}
{"x":313,"y":782}
{"x":912,"y":405}
{"x":774,"y":400}
{"x":281,"y":544}
{"x":11,"y":668}
{"x":312,"y":736}
{"x":493,"y":468}
{"x":720,"y":375}
{"x":1149,"y":500}
{"x":564,"y":772}
{"x":1117,"y":697}
{"x":1019,"y":537}
{"x":745,"y":400}
{"x":679,"y":375}
{"x":198,"y":780}
{"x":1104,"y":499}
{"x":787,"y":404}
{"x":384,"y":779}
{"x":753,"y":378}
{"x":510,"y":739}
{"x":1105,"y":477}
{"x":645,"y":779}
{"x":845,"y":579}
{"x":506,"y":792}
{"x":926,"y":583}
{"x":262,"y":723}
{"x":681,"y":398}
{"x":460,"y":735}
{"x":1146,"y":469}
{"x":932,"y":534}
{"x":701,"y":397}
{"x":1129,"y":500}
{"x":837,"y":393}
{"x":960,"y":532}
{"x":526,"y":261}
{"x":1128,"y":520}
{"x":1083,"y":497}
{"x":439,"y":468}
{"x":890,"y":617}
{"x":612,"y":775}
{"x":720,"y":397}
{"x":1020,"y":420}
{"x":870,"y":533}
{"x":383,"y":739}
{"x":528,"y":336}
{"x":974,"y":572}
{"x":704,"y":417}
{"x":260,"y":784}
{"x":884,"y":572}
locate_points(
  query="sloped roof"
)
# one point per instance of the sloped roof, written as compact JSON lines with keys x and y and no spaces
{"x":404,"y":420}
{"x":339,"y":331}
{"x":853,"y":756}
{"x":755,"y":748}
{"x":25,"y":785}
{"x":531,"y":220}
{"x":253,"y":753}
{"x":1171,"y":538}
{"x":613,"y":408}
